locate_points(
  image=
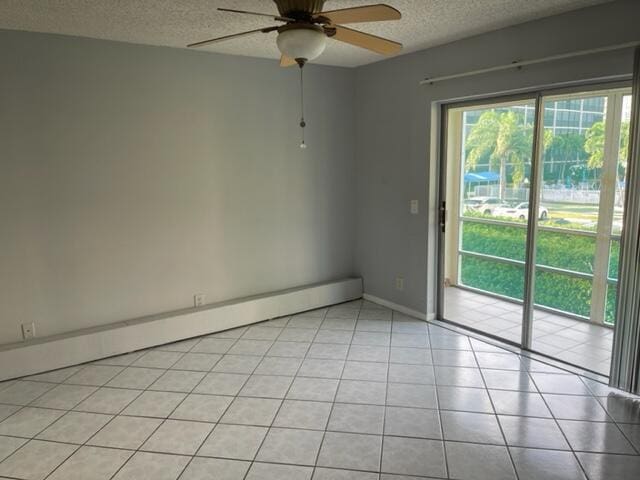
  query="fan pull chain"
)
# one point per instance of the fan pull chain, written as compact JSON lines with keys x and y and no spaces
{"x":302,"y":122}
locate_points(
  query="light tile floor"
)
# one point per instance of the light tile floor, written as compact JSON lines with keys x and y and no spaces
{"x":354,"y":391}
{"x":577,"y":342}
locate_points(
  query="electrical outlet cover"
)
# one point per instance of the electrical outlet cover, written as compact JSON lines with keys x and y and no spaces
{"x":199,"y":299}
{"x":28,"y":330}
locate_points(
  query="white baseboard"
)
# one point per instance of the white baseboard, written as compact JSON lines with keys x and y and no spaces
{"x":50,"y":353}
{"x":396,"y":307}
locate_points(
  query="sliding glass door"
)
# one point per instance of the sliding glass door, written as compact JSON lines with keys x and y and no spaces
{"x":549,"y":286}
{"x":577,"y":248}
{"x":487,"y":200}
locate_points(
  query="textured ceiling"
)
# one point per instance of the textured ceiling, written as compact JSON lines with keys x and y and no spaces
{"x":175,"y":23}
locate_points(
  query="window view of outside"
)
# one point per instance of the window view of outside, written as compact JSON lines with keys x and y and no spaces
{"x":496,"y":162}
{"x":581,"y":199}
{"x":614,"y":249}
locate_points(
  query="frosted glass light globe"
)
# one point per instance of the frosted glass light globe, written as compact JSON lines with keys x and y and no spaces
{"x":303,"y":42}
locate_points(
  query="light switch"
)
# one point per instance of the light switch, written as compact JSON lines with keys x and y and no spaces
{"x":413,"y":207}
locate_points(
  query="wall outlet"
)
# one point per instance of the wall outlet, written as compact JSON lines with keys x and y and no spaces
{"x":413,"y":207}
{"x":28,"y":330}
{"x":199,"y":299}
{"x":399,"y":283}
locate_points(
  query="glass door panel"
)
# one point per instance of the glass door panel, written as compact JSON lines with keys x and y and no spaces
{"x":582,"y":168}
{"x":618,"y":211}
{"x":578,"y":224}
{"x":580,"y":190}
{"x":488,"y":165}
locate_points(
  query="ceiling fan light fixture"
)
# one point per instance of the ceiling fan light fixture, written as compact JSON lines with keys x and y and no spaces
{"x":301,"y":42}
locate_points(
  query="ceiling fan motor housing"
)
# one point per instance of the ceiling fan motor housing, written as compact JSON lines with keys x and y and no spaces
{"x":299,"y":8}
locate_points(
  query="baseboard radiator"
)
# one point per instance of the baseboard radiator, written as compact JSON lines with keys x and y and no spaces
{"x":50,"y":353}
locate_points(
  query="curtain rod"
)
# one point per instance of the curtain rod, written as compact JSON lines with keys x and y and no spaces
{"x":520,"y":64}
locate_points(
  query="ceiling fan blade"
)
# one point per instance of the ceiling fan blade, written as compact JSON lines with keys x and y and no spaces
{"x":367,"y":13}
{"x":366,"y":40}
{"x":228,"y":37}
{"x":270,"y":15}
{"x":287,"y":61}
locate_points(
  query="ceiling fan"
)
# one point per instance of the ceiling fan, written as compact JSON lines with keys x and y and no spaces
{"x":303,"y":35}
{"x":306,"y":27}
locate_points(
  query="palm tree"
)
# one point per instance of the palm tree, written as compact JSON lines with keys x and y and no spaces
{"x":563,"y":148}
{"x":501,"y":138}
{"x":594,"y":146}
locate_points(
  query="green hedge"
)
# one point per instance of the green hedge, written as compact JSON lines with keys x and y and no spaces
{"x":610,"y":310}
{"x":552,"y":290}
{"x":568,"y":294}
{"x":492,"y":276}
{"x":614,"y":259}
{"x":555,"y":249}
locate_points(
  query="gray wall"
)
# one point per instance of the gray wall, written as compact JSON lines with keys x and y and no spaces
{"x":396,"y":138}
{"x":133,"y":177}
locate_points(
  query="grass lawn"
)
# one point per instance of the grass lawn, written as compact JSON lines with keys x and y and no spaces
{"x":585,"y":217}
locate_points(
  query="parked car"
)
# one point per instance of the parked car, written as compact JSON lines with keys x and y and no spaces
{"x":521,"y":211}
{"x":484,"y":205}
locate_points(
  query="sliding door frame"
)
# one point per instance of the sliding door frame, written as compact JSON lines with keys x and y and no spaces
{"x":532,"y":225}
{"x":444,"y":211}
{"x":625,"y":361}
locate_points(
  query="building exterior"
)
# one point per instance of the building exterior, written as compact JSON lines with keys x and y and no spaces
{"x":565,"y":165}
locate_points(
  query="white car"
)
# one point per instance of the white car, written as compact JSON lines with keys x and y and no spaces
{"x":483,"y":205}
{"x":521,"y":211}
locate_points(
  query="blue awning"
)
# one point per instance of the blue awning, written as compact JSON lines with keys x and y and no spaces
{"x":477,"y":177}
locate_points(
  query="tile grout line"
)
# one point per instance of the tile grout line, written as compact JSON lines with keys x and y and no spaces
{"x":635,"y":448}
{"x":255,"y":456}
{"x":234,"y":343}
{"x":612,"y":421}
{"x":562,"y":329}
{"x":135,"y":452}
{"x":79,"y":446}
{"x":335,"y":396}
{"x":495,"y":414}
{"x":630,"y":455}
{"x":564,"y":436}
{"x":115,"y":415}
{"x":30,"y":404}
{"x":251,"y":462}
{"x":386,"y":396}
{"x":30,"y":439}
{"x":437,"y":395}
{"x":296,"y":375}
